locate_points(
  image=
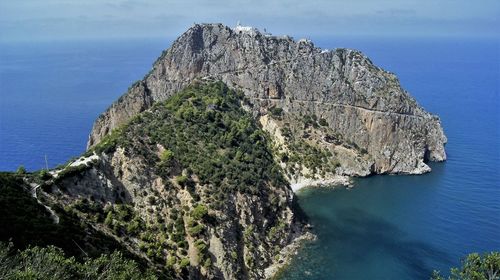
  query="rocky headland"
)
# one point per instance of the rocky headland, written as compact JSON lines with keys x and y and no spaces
{"x":337,"y":99}
{"x":191,"y":171}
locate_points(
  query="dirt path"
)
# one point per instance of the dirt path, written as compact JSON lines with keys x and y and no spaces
{"x":53,"y":214}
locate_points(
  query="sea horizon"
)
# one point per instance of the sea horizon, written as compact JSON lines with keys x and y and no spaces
{"x":386,"y":226}
{"x":125,"y":73}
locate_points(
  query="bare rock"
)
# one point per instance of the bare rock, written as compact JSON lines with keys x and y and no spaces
{"x":363,"y":103}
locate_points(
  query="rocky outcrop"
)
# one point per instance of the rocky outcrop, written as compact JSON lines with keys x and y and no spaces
{"x":239,"y":240}
{"x":192,"y":177}
{"x":190,"y":186}
{"x":380,"y":126}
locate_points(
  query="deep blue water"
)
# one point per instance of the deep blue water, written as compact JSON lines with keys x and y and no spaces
{"x":387,"y":227}
{"x":51,"y":93}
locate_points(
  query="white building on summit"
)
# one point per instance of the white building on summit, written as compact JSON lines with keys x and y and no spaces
{"x":246,"y":29}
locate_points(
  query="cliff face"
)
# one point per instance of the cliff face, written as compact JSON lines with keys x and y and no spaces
{"x":190,"y":186}
{"x":369,"y":123}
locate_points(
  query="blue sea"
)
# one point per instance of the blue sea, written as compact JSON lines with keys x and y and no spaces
{"x":386,"y":227}
{"x":51,"y":93}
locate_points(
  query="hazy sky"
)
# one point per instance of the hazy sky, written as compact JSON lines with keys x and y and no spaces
{"x":71,"y":19}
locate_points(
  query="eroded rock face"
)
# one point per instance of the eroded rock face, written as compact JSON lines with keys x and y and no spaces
{"x":364,"y":104}
{"x":242,"y":237}
{"x":190,"y":186}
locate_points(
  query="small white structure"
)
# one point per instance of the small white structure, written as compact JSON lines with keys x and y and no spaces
{"x":304,"y":41}
{"x":246,"y":30}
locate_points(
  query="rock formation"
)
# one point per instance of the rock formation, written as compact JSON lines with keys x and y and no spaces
{"x":190,"y":170}
{"x":189,"y":186}
{"x":377,"y":127}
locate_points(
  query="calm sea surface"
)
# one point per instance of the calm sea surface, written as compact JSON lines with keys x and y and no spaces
{"x":387,"y":227}
{"x":51,"y":93}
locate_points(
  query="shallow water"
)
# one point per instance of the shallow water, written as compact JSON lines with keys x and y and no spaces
{"x":403,"y":227}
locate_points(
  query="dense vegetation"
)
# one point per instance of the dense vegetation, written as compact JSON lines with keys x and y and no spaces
{"x":25,"y":223}
{"x":200,"y":140}
{"x":204,"y":129}
{"x":51,"y":263}
{"x":201,"y":143}
{"x":475,"y":267}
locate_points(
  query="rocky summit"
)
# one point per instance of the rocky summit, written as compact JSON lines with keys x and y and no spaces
{"x":369,"y":124}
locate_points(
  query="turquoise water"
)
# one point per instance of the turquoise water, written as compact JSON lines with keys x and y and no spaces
{"x":387,"y":227}
{"x":403,"y":227}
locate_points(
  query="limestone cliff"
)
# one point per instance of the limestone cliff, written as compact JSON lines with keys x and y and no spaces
{"x":369,"y":123}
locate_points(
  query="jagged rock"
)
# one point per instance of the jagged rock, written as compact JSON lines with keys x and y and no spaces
{"x":362,"y":103}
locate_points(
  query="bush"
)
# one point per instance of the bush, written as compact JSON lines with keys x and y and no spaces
{"x":21,"y":170}
{"x":207,"y":263}
{"x":475,"y":267}
{"x":51,"y":263}
{"x":199,"y":212}
{"x":181,"y":180}
{"x":323,"y":122}
{"x":134,"y":227}
{"x":276,"y":112}
{"x":45,"y":175}
{"x":166,"y":155}
{"x":196,"y":229}
{"x":184,"y":263}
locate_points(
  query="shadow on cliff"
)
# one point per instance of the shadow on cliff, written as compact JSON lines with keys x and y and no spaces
{"x":366,"y":234}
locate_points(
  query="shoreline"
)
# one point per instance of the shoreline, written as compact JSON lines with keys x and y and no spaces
{"x":337,"y":180}
{"x":286,"y":255}
{"x":288,"y":252}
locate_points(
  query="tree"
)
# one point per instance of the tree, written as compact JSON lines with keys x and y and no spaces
{"x":199,"y":212}
{"x":51,"y":263}
{"x":45,"y":175}
{"x":166,"y":155}
{"x":109,"y":219}
{"x":475,"y":267}
{"x":21,"y":170}
{"x":323,"y":122}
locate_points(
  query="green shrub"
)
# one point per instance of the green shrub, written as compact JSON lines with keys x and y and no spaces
{"x":234,"y":255}
{"x":184,"y":263}
{"x":171,"y":261}
{"x":44,"y":175}
{"x":196,"y":229}
{"x":134,"y":227}
{"x":51,"y":263}
{"x":276,"y":112}
{"x":181,"y":180}
{"x":21,"y":170}
{"x":475,"y":267}
{"x":323,"y":122}
{"x":199,"y":212}
{"x":207,"y":263}
{"x":166,"y":155}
